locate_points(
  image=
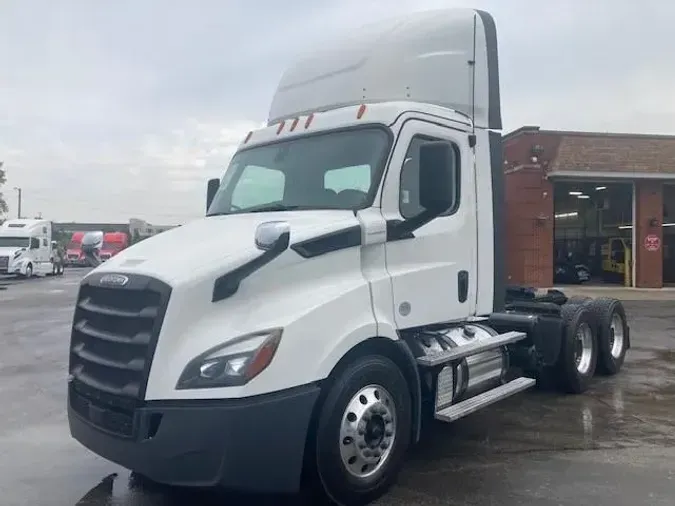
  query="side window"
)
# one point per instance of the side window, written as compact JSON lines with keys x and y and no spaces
{"x":409,"y":192}
{"x":44,"y":242}
{"x":34,"y":243}
{"x":258,"y":185}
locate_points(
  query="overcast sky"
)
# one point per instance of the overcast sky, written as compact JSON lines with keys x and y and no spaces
{"x":114,"y":109}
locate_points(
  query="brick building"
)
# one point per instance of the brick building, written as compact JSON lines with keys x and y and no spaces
{"x":572,"y":192}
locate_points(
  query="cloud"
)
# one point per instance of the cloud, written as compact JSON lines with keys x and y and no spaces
{"x":120,"y":109}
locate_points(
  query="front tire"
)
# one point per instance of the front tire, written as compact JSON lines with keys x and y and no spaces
{"x":29,"y":271}
{"x":363,"y":431}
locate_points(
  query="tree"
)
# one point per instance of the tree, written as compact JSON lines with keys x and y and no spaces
{"x":3,"y":180}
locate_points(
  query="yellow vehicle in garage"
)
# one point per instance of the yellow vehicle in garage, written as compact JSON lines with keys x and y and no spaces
{"x":617,"y":261}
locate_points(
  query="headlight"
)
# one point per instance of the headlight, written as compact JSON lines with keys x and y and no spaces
{"x":232,"y":364}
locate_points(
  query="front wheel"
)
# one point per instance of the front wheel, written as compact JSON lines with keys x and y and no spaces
{"x":362,"y":433}
{"x":29,"y":271}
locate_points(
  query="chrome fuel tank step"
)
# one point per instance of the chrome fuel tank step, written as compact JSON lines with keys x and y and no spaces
{"x":461,"y":409}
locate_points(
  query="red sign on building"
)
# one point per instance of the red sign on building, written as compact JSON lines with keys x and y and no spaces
{"x":652,"y":242}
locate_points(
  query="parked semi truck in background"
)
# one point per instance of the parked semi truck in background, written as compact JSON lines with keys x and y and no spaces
{"x":92,"y":244}
{"x":74,"y":250}
{"x":26,"y":247}
{"x":113,"y":243}
{"x":364,"y":291}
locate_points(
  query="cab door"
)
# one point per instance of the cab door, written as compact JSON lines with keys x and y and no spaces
{"x":433,"y":271}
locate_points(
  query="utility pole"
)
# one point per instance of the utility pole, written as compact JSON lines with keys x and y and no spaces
{"x":18,"y":209}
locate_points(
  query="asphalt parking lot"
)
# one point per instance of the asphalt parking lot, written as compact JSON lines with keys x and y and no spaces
{"x":614,"y":446}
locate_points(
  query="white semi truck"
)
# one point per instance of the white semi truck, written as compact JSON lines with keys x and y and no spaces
{"x":26,"y":247}
{"x":350,"y":284}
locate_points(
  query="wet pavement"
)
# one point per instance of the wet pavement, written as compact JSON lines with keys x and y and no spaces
{"x":614,"y":446}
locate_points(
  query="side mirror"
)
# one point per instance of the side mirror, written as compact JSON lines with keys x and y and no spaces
{"x":211,"y":190}
{"x":438,"y":177}
{"x":273,"y":235}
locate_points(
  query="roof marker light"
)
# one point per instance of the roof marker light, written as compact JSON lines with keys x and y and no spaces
{"x":309,"y":119}
{"x":294,"y":124}
{"x":362,"y":111}
{"x":281,"y":127}
{"x":248,"y":137}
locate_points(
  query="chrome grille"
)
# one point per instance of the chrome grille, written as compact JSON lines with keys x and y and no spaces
{"x":4,"y":263}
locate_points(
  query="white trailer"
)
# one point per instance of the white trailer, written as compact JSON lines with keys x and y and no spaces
{"x":350,"y":282}
{"x":26,"y":247}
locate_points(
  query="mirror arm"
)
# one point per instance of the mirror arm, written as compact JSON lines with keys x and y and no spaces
{"x":397,"y":230}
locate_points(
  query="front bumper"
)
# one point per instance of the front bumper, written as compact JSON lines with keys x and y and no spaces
{"x":254,"y":445}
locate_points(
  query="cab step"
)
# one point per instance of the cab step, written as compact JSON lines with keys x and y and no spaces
{"x":461,"y":409}
{"x":468,"y":350}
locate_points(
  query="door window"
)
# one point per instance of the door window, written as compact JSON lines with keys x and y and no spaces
{"x":34,"y":243}
{"x":409,"y":192}
{"x":258,"y":186}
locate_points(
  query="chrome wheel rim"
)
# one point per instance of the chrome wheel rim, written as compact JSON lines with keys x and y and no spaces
{"x":368,"y":431}
{"x":583,"y":352}
{"x":616,"y":336}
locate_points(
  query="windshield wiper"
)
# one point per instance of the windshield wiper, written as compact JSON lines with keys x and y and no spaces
{"x":275,"y":207}
{"x":269,"y":208}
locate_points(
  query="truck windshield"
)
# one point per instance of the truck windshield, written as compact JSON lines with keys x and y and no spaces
{"x":14,"y":242}
{"x":334,"y":170}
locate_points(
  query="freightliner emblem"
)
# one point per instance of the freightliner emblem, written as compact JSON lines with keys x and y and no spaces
{"x":114,"y":280}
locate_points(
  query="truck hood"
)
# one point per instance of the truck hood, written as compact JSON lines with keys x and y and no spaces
{"x":216,"y":243}
{"x":9,"y":252}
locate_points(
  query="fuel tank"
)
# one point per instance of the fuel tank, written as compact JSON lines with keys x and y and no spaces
{"x":472,"y":375}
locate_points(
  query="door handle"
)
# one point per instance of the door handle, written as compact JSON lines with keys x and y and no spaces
{"x":463,"y":285}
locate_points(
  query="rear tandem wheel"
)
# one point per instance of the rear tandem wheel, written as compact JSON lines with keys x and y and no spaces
{"x":579,"y":352}
{"x":611,"y":328}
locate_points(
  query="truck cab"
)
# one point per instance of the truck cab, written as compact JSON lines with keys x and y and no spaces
{"x":74,"y":254}
{"x":25,"y":247}
{"x":92,"y":243}
{"x":350,"y":281}
{"x":113,"y":243}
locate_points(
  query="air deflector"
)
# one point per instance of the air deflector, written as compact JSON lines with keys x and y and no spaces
{"x":424,"y":57}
